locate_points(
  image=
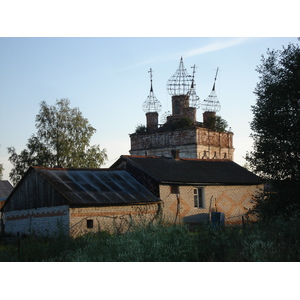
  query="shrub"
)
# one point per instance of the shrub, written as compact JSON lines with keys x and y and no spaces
{"x":141,"y":129}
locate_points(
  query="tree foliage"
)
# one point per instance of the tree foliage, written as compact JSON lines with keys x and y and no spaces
{"x":276,"y":121}
{"x":62,"y":139}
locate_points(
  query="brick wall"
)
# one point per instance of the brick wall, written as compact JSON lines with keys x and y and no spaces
{"x":44,"y":221}
{"x":192,"y":143}
{"x":185,"y":151}
{"x":112,"y":218}
{"x":162,"y":139}
{"x":48,"y":221}
{"x":233,"y":201}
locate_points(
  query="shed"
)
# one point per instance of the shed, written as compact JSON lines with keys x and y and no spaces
{"x":192,"y":189}
{"x":77,"y":201}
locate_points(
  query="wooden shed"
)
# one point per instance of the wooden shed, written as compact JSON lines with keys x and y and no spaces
{"x":76,"y":201}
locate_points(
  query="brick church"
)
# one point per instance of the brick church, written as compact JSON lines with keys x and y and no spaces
{"x":181,"y":134}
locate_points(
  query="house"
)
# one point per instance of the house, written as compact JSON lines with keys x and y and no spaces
{"x":77,"y":201}
{"x":191,"y":189}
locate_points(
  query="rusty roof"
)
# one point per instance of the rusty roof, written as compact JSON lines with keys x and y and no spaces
{"x":97,"y":186}
{"x":191,"y":171}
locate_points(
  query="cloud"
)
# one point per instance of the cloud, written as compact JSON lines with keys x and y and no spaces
{"x":218,"y":44}
{"x":215,"y":46}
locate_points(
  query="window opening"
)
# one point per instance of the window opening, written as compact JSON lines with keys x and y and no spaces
{"x":89,"y":223}
{"x":198,"y":197}
{"x":174,"y":189}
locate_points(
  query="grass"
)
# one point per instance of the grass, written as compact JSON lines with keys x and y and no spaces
{"x":276,"y":241}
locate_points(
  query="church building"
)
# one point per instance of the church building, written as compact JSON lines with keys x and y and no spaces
{"x":180,"y":134}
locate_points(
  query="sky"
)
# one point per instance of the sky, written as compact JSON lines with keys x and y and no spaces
{"x":107,"y":79}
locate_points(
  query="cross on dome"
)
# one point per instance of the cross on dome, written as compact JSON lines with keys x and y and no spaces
{"x":151,"y":104}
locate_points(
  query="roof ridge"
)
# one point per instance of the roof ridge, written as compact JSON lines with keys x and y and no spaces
{"x":72,"y":169}
{"x":180,"y":158}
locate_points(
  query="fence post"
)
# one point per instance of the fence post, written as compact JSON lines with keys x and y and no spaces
{"x":19,"y":245}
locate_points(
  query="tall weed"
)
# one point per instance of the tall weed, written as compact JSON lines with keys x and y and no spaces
{"x":276,"y":240}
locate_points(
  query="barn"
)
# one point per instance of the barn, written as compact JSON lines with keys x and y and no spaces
{"x":77,"y":201}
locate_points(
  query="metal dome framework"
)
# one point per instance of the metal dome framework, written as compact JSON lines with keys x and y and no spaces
{"x":193,"y":97}
{"x":211,"y":103}
{"x":180,"y":83}
{"x":164,"y":117}
{"x":151,"y":104}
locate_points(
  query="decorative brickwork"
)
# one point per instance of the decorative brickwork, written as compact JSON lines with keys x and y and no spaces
{"x":233,"y":201}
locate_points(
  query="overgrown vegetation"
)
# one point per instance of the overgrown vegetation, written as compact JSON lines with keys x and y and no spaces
{"x":141,"y":129}
{"x":216,"y":123}
{"x":278,"y":240}
{"x":180,"y":123}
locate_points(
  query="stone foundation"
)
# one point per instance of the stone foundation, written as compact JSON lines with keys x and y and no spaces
{"x":45,"y":221}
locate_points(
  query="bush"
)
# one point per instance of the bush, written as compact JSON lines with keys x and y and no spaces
{"x":141,"y":129}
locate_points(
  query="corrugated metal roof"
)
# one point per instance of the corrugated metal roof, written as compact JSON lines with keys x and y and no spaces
{"x":192,"y":171}
{"x":97,"y":186}
{"x":5,"y":189}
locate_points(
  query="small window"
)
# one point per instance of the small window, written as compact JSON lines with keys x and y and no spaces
{"x":89,"y":223}
{"x":174,"y":189}
{"x":199,"y":197}
{"x":225,"y":155}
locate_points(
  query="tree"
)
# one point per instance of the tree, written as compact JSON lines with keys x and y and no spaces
{"x":276,"y":121}
{"x":62,"y":139}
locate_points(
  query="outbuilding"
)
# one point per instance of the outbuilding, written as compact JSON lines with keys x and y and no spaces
{"x":77,"y":201}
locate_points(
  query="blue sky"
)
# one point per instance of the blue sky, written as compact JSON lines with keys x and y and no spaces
{"x":108,"y":79}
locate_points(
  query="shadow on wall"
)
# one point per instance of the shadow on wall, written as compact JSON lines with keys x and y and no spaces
{"x":216,"y":219}
{"x":198,"y":218}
